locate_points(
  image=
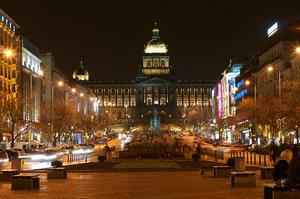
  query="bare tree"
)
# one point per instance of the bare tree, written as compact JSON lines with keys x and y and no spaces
{"x":58,"y":120}
{"x":14,"y":118}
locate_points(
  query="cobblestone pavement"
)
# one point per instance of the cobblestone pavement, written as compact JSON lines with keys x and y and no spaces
{"x":135,"y":185}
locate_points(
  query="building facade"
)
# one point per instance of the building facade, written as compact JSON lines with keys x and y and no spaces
{"x":31,"y":77}
{"x":262,"y":77}
{"x":155,"y":85}
{"x":57,"y":88}
{"x":9,"y":53}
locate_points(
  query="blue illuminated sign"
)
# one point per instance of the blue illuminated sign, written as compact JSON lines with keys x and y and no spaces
{"x":239,"y":84}
{"x":241,"y":94}
{"x":79,"y":138}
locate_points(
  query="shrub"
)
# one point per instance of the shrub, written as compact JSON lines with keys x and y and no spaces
{"x":195,"y":156}
{"x":101,"y":158}
{"x":56,"y":163}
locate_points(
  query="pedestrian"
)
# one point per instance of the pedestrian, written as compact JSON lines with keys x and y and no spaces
{"x":280,"y":172}
{"x":198,"y":149}
{"x":294,"y":171}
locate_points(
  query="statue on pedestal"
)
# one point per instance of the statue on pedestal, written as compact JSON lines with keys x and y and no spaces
{"x":155,"y":121}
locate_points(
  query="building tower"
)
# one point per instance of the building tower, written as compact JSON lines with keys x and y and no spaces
{"x":156,"y":58}
{"x":81,"y":74}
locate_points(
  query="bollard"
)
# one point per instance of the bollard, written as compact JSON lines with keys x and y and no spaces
{"x":265,"y":160}
{"x":250,"y":157}
{"x":259,"y":159}
{"x":216,"y":156}
{"x":247,"y":154}
{"x":254,"y":158}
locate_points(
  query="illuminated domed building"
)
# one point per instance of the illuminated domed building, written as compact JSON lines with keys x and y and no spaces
{"x":156,"y":58}
{"x":154,"y":85}
{"x":81,"y":74}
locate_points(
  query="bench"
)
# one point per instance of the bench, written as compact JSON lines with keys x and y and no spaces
{"x":222,"y":171}
{"x":57,"y":173}
{"x":243,"y":179}
{"x":272,"y":191}
{"x":266,"y":173}
{"x":6,"y":174}
{"x":25,"y":181}
{"x":206,"y":170}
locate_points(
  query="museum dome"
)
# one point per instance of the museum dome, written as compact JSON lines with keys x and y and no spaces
{"x":155,"y":45}
{"x":81,"y":73}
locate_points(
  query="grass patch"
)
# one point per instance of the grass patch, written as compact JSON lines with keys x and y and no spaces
{"x":147,"y":165}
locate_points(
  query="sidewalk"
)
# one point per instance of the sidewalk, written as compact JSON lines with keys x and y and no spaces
{"x":136,"y":185}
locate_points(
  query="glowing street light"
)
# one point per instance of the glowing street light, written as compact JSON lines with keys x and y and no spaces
{"x":81,"y":94}
{"x":298,"y":50}
{"x":60,"y":83}
{"x":247,"y":82}
{"x":8,"y":53}
{"x":270,"y":68}
{"x":41,"y":73}
{"x":73,"y":90}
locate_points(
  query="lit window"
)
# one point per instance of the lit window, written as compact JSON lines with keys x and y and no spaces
{"x":148,"y":63}
{"x":163,"y":63}
{"x":149,"y":101}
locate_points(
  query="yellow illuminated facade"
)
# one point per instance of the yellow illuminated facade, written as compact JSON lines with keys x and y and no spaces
{"x":156,"y":59}
{"x":9,"y":53}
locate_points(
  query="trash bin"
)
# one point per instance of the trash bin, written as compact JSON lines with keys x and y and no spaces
{"x":17,"y":163}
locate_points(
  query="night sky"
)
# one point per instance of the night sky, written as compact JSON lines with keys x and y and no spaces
{"x":110,"y":35}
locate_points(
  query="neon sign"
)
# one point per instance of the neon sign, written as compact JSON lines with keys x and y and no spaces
{"x":219,"y":100}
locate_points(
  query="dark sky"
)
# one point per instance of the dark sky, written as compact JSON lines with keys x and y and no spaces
{"x":109,"y":35}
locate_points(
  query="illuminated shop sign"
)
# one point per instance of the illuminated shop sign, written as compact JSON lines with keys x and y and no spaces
{"x":219,"y":100}
{"x":272,"y":29}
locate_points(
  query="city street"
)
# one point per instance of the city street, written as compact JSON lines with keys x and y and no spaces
{"x":136,"y":185}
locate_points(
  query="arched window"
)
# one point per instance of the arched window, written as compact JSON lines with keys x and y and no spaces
{"x":163,"y":63}
{"x":148,"y":63}
{"x":149,"y":101}
{"x":155,"y":63}
{"x":162,"y":101}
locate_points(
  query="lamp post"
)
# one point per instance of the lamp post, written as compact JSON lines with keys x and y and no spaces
{"x":271,"y":69}
{"x":247,"y":83}
{"x":184,"y":115}
{"x":126,"y":116}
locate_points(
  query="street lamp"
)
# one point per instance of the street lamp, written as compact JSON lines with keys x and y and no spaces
{"x":126,"y":115}
{"x":41,"y":73}
{"x":60,"y":83}
{"x":297,"y":50}
{"x":247,"y":83}
{"x":73,"y":90}
{"x":270,"y":69}
{"x":8,"y":53}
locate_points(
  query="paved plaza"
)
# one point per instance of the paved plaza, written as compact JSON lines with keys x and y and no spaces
{"x":136,"y":185}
